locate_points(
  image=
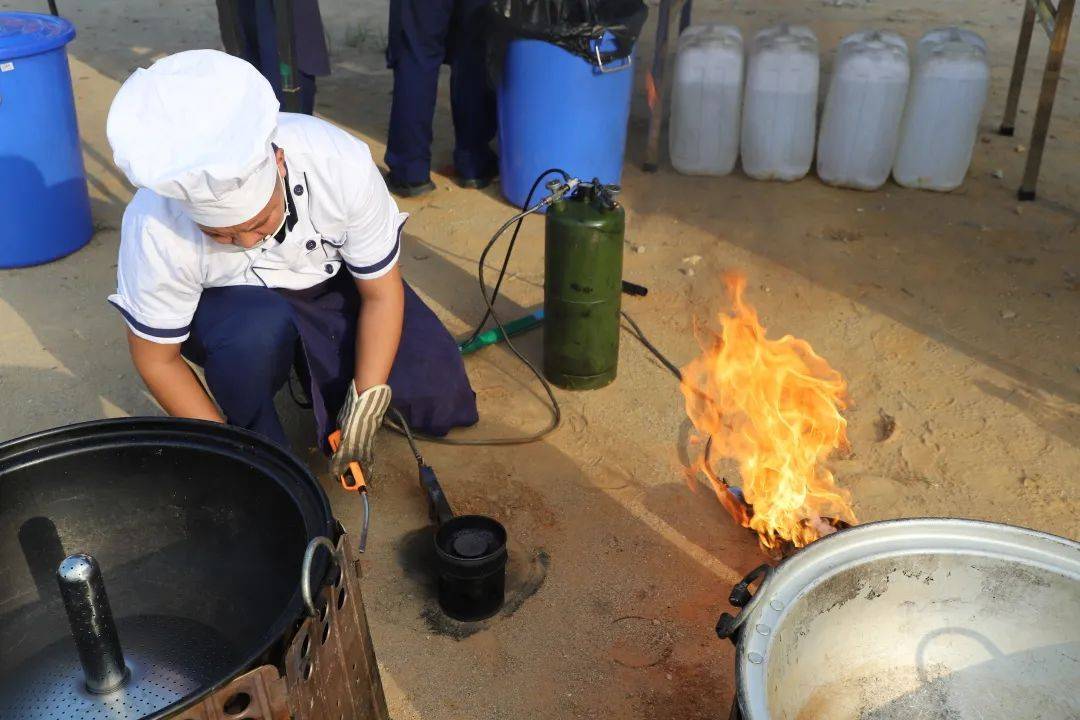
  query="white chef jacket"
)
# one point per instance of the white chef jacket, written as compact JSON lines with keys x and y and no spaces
{"x":339,"y":211}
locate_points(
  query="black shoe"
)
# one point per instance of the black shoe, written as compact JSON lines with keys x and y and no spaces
{"x":478,"y":183}
{"x":404,"y":189}
{"x":482,"y":180}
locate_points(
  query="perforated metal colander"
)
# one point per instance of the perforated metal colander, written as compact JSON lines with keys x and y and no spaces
{"x":170,"y":659}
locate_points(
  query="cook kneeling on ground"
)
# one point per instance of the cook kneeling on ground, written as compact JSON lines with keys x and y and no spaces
{"x":258,"y":240}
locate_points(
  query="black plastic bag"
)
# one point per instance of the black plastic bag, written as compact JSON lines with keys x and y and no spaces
{"x":574,"y":25}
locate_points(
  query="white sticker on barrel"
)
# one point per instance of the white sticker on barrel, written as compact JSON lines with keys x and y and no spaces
{"x":7,"y":67}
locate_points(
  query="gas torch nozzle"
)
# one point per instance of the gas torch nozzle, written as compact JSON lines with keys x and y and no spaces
{"x":353,"y":480}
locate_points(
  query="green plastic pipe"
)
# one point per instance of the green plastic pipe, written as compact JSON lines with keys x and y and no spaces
{"x":514,"y":327}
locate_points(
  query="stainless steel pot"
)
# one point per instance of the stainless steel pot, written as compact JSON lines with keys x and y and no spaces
{"x":913,"y":619}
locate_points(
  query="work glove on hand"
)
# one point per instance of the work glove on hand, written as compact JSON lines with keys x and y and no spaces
{"x":359,"y":419}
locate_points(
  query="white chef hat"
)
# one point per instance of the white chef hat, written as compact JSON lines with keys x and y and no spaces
{"x":197,"y":126}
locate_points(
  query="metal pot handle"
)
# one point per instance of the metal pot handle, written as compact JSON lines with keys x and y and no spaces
{"x":727,"y":627}
{"x":305,"y":569}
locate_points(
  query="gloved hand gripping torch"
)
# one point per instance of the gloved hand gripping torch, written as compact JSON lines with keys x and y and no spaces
{"x":353,"y":481}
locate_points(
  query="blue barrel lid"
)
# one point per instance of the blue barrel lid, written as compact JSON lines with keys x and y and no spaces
{"x":23,"y":34}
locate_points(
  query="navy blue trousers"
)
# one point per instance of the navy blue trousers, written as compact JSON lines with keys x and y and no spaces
{"x":260,"y":46}
{"x":423,"y":35}
{"x":246,"y":339}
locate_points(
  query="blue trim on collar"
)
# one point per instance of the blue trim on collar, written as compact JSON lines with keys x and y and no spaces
{"x":147,"y":330}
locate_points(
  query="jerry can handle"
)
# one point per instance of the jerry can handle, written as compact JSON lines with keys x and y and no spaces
{"x":625,"y":64}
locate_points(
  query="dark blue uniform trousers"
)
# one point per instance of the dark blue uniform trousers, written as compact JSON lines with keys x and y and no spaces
{"x":260,"y":45}
{"x":423,"y":35}
{"x":245,"y":338}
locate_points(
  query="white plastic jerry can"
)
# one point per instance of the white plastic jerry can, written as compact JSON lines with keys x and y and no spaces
{"x":780,"y":103}
{"x":860,"y":126}
{"x":941,"y":34}
{"x":941,"y":122}
{"x":706,"y":100}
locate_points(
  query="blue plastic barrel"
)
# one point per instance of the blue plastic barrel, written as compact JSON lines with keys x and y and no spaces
{"x":559,"y":110}
{"x":44,"y":206}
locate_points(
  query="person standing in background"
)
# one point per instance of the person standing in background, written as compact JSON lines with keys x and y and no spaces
{"x":259,"y":45}
{"x":423,"y":35}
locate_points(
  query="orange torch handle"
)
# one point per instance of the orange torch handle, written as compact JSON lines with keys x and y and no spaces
{"x":354,"y":479}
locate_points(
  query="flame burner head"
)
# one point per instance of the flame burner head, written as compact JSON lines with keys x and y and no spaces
{"x":784,"y":548}
{"x":787,"y":548}
{"x":774,"y":408}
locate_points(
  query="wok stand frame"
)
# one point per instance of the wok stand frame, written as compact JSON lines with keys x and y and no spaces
{"x":264,"y":688}
{"x":338,"y":677}
{"x":330,"y":666}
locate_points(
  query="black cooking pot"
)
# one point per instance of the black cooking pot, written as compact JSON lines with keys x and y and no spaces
{"x":200,"y":531}
{"x":470,"y":552}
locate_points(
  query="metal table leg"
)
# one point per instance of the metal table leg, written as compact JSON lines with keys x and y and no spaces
{"x":654,"y":86}
{"x":684,"y":16}
{"x":1060,"y":37}
{"x":1027,"y":24}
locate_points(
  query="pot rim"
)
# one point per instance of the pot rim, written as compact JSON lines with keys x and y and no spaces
{"x":471,"y":562}
{"x":226,"y":439}
{"x":822,"y":559}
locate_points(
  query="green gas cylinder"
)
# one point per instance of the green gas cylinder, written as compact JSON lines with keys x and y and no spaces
{"x":582,"y":287}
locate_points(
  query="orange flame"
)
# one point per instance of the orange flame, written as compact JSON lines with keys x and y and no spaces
{"x":774,"y":407}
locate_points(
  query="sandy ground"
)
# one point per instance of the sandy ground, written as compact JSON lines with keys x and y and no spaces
{"x":956,"y":314}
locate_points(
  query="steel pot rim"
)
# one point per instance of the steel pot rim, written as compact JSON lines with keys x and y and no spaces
{"x":254,"y":448}
{"x":814,"y":564}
